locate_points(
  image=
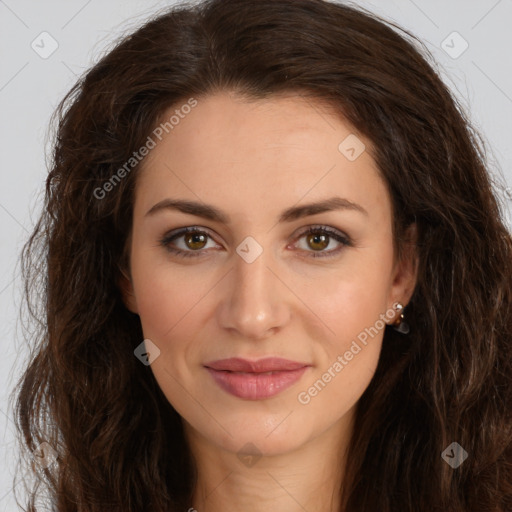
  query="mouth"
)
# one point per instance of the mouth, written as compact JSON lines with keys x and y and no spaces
{"x":268,"y":364}
{"x":256,"y":380}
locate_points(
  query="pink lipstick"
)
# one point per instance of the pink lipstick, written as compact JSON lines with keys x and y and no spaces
{"x":255,"y":380}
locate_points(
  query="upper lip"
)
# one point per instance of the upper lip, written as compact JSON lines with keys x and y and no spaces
{"x":268,"y":364}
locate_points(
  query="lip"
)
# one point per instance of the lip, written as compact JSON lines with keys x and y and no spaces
{"x":256,"y":380}
{"x":267,"y":364}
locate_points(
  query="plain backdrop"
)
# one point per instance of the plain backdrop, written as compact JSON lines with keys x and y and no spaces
{"x":46,"y":45}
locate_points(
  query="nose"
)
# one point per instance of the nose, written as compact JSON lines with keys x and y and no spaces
{"x":254,"y":305}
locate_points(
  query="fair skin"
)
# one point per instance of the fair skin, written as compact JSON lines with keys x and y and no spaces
{"x":252,"y":161}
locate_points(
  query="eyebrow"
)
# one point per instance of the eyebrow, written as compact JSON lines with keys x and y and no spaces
{"x":212,"y":213}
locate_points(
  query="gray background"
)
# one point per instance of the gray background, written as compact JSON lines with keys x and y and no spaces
{"x":31,"y":86}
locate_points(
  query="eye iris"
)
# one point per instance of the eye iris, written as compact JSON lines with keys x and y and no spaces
{"x":318,"y":239}
{"x":195,"y":238}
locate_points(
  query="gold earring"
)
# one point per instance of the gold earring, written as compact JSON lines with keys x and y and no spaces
{"x":399,"y":324}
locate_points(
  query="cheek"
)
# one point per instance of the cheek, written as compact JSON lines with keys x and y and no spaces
{"x":352,"y":301}
{"x":165,"y":295}
{"x":173,"y":305}
{"x":352,"y":306}
{"x":349,"y":355}
{"x":169,"y":303}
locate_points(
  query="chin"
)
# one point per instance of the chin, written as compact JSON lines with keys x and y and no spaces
{"x":266,"y":434}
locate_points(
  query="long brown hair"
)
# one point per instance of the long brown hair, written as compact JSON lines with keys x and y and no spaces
{"x":119,"y":444}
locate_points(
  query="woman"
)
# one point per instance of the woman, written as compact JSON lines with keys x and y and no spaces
{"x":276,"y":275}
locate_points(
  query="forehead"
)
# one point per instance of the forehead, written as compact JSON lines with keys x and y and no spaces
{"x":241,"y":151}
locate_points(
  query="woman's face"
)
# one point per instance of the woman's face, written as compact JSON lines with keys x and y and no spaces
{"x":249,"y":283}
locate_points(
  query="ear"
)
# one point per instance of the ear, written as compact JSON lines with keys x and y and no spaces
{"x":125,"y":285}
{"x":406,"y":269}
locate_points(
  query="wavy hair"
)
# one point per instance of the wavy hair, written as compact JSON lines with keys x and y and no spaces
{"x":118,"y":443}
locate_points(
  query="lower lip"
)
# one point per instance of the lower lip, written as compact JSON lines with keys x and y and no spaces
{"x":256,"y":386}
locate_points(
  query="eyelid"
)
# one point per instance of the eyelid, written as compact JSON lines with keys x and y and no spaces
{"x":320,"y":227}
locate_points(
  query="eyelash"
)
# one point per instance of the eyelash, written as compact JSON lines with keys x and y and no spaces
{"x":322,"y":230}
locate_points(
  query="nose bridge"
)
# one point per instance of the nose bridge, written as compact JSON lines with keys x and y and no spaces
{"x":252,"y":278}
{"x":255,"y":304}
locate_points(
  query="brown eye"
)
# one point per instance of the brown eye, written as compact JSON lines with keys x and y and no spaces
{"x":195,"y":241}
{"x":187,"y":242}
{"x":319,"y":238}
{"x":318,"y":242}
